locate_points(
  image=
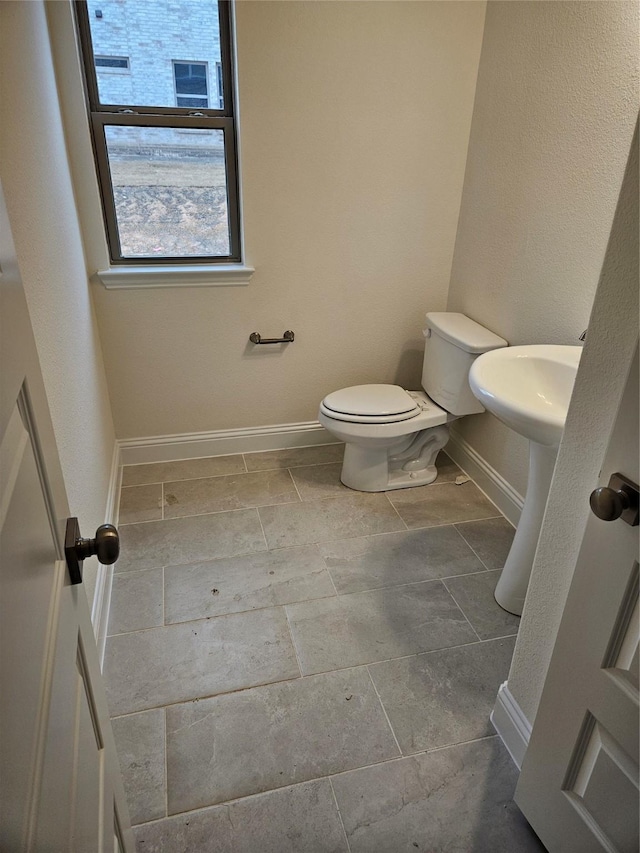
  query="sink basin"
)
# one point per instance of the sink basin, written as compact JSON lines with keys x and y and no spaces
{"x":528,"y":388}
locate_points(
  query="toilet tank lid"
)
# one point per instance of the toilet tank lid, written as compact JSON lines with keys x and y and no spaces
{"x":464,"y":332}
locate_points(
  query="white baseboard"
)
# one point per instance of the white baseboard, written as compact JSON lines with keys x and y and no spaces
{"x":511,"y":724}
{"x":104,"y":577}
{"x":493,"y":484}
{"x":193,"y":445}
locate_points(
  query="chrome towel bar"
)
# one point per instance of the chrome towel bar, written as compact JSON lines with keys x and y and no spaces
{"x":287,"y":338}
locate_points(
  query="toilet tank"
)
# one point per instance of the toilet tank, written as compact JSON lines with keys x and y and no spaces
{"x":452,"y":344}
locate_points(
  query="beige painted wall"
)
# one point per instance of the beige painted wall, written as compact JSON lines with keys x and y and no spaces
{"x":554,"y":114}
{"x":601,"y":379}
{"x":39,"y":197}
{"x":355,"y":119}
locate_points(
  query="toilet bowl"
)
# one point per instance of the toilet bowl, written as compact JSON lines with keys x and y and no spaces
{"x":387,"y":451}
{"x":392,"y":436}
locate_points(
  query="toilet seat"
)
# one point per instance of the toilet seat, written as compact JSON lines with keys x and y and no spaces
{"x":370,"y":404}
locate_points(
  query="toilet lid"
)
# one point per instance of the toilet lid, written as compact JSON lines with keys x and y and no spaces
{"x":368,"y":419}
{"x":372,"y":401}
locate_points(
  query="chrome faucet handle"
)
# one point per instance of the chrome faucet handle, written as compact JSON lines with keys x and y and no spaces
{"x":583,"y":336}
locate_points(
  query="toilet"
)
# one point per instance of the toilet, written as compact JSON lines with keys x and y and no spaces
{"x":393,"y":436}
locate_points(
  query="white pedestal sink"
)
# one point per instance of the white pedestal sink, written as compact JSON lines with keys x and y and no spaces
{"x":528,"y":388}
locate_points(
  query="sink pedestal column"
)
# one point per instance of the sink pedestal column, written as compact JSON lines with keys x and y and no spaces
{"x":514,"y":580}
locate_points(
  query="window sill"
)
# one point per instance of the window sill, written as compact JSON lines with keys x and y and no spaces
{"x":178,"y":275}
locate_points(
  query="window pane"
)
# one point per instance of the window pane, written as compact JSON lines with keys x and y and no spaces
{"x":112,"y":62}
{"x":158,"y":37}
{"x":170,"y":191}
{"x":191,"y":79}
{"x":194,"y":103}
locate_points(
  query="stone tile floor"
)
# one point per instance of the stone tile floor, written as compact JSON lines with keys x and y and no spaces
{"x":294,"y":667}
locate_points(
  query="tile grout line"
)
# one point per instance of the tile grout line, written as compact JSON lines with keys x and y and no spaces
{"x":396,"y":532}
{"x":327,"y":570}
{"x":164,"y":604}
{"x":166,"y":768}
{"x":461,"y":610}
{"x":293,"y":642}
{"x":384,"y":710}
{"x":411,"y":755}
{"x":469,"y":545}
{"x":192,"y":700}
{"x":126,"y":574}
{"x":264,"y":535}
{"x":456,"y":743}
{"x":184,"y":479}
{"x":333,"y":584}
{"x":236,"y":474}
{"x":447,"y":523}
{"x":335,"y":800}
{"x":285,"y":467}
{"x":395,"y":509}
{"x":214,"y":512}
{"x":139,"y":485}
{"x":290,"y":449}
{"x":398,"y":585}
{"x":295,"y":485}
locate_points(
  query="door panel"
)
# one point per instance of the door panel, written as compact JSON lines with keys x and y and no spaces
{"x":86,"y":831}
{"x":599,"y":767}
{"x":622,"y":658}
{"x":580,"y":781}
{"x":58,"y":761}
{"x":27,"y":560}
{"x":61,"y":788}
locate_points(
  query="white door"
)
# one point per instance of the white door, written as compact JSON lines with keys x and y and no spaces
{"x":579,"y":783}
{"x":60,"y":785}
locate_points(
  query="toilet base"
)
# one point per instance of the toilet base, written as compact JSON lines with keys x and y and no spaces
{"x":408,"y":463}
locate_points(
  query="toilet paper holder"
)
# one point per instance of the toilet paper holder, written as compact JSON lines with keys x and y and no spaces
{"x":287,"y":338}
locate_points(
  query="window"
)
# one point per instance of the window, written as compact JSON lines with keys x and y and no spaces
{"x":191,"y":84}
{"x":165,"y":148}
{"x":219,"y":83}
{"x":112,"y":63}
